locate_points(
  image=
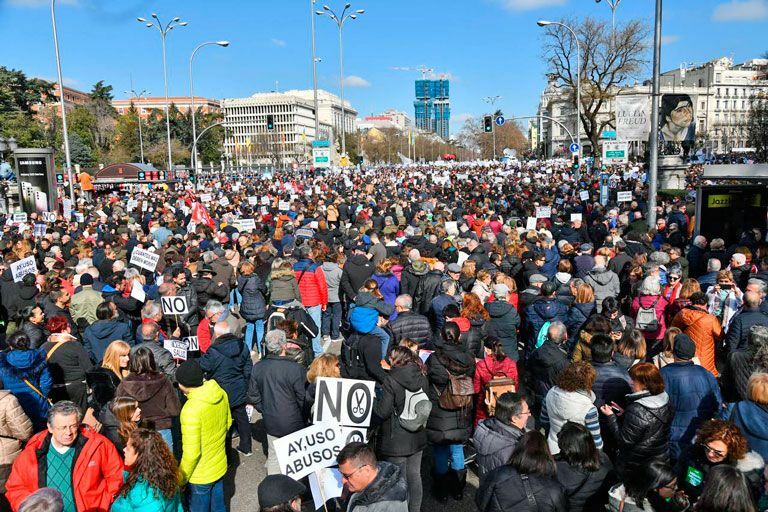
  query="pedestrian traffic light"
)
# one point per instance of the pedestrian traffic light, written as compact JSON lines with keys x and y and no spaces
{"x":270,"y":122}
{"x":142,"y":176}
{"x":488,"y":124}
{"x":59,"y":178}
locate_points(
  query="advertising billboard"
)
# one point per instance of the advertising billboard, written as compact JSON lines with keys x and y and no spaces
{"x":34,"y":168}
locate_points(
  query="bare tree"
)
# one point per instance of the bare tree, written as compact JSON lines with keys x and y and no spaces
{"x":608,"y":61}
{"x":508,"y":135}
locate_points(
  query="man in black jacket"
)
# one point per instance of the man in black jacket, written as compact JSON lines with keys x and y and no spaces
{"x":546,"y":362}
{"x":277,"y":391}
{"x":207,"y":288}
{"x":356,"y":271}
{"x":495,"y":438}
{"x":738,"y":332}
{"x":410,"y":324}
{"x":228,"y":362}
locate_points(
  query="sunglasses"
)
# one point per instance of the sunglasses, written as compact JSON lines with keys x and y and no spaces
{"x":714,"y":452}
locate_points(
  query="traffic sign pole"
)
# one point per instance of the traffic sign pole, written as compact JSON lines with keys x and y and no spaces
{"x":493,"y":130}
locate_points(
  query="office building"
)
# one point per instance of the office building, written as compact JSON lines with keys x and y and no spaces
{"x":148,"y":106}
{"x":432,"y":106}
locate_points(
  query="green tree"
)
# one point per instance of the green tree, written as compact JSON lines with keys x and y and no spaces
{"x":79,"y":152}
{"x":126,"y":136}
{"x":757,"y":126}
{"x":82,"y":121}
{"x":100,"y":105}
{"x":19,"y":93}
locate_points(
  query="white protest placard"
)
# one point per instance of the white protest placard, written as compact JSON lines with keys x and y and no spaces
{"x":330,"y":481}
{"x":530,"y":224}
{"x":264,"y":210}
{"x":144,"y":259}
{"x":193,"y":342}
{"x":138,"y":293}
{"x":245,"y":224}
{"x":40,"y":229}
{"x":284,"y":206}
{"x":224,"y":201}
{"x":576,"y":217}
{"x":19,"y":218}
{"x":132,"y":204}
{"x":584,"y":195}
{"x":177,"y":348}
{"x":205,"y":198}
{"x":452,"y":228}
{"x":543,"y":212}
{"x":49,"y":216}
{"x":624,"y":196}
{"x":67,"y":208}
{"x":265,"y":200}
{"x":79,"y":217}
{"x":23,"y":267}
{"x":253,"y":200}
{"x":100,"y":213}
{"x":313,"y":448}
{"x":347,"y":402}
{"x":559,"y":200}
{"x":174,"y":305}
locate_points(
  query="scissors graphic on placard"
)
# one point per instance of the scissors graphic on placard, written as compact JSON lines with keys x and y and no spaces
{"x":357,"y":405}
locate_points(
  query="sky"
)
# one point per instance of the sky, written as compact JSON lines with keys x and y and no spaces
{"x":485,"y":47}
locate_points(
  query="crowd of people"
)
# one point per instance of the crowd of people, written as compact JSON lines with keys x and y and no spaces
{"x":515,"y":326}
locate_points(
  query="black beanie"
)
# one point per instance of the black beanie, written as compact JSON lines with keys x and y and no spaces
{"x":189,"y":374}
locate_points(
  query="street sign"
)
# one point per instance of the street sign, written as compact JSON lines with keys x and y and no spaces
{"x":344,"y":161}
{"x":574,"y":148}
{"x":500,"y":120}
{"x":615,"y":152}
{"x":321,"y":157}
{"x":608,"y":134}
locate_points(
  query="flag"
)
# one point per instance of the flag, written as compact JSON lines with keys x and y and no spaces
{"x":200,"y":215}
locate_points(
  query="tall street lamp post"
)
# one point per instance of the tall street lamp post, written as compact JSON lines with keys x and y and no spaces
{"x":223,"y":44}
{"x":346,"y":14}
{"x":544,"y":23}
{"x":61,"y":102}
{"x":164,"y":31}
{"x":653,"y":168}
{"x":140,"y":96}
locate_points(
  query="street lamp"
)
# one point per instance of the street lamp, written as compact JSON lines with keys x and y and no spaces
{"x":164,"y":30}
{"x":346,"y":14}
{"x":61,"y":102}
{"x":544,"y":23}
{"x":613,"y":4}
{"x":653,"y":168}
{"x":139,"y":95}
{"x":492,"y":101}
{"x":315,"y":60}
{"x":223,"y":44}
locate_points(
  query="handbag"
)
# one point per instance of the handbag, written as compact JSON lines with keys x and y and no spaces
{"x":529,"y":493}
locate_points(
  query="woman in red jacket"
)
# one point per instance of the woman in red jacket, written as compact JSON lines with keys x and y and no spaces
{"x":495,"y":364}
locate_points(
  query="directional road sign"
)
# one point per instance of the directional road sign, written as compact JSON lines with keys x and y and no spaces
{"x":500,"y":120}
{"x":574,"y":148}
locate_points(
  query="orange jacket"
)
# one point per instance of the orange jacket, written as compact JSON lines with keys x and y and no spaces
{"x":705,"y":331}
{"x":97,"y":474}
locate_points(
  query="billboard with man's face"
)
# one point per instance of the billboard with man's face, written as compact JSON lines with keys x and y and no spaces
{"x":677,"y":120}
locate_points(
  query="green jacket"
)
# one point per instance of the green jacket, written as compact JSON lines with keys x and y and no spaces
{"x":84,"y":303}
{"x":205,"y":420}
{"x":145,"y":498}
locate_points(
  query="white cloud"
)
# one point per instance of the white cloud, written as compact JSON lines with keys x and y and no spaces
{"x":39,"y":3}
{"x":279,"y":42}
{"x":669,"y":39}
{"x":356,"y":81}
{"x":528,"y":5}
{"x":735,"y":10}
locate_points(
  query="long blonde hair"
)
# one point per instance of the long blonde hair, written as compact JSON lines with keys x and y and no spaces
{"x":112,"y":355}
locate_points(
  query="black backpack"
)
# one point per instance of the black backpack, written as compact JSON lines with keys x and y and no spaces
{"x":352,"y":364}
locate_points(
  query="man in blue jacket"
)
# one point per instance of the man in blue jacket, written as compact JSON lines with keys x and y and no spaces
{"x":543,"y":310}
{"x":693,"y":393}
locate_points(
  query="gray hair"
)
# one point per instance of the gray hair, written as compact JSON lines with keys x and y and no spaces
{"x":557,"y":332}
{"x":716,"y":244}
{"x":131,"y":273}
{"x":405,"y":301}
{"x":275,"y":341}
{"x":650,"y":286}
{"x":64,"y":408}
{"x":751,"y":299}
{"x":151,"y":309}
{"x":46,"y":499}
{"x":758,"y":336}
{"x":714,"y":265}
{"x":214,"y":307}
{"x":761,"y":285}
{"x":447,"y":285}
{"x":700,"y":241}
{"x":118,"y":266}
{"x":83,"y":266}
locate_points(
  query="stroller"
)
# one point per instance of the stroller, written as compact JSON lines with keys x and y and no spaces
{"x":308,"y":329}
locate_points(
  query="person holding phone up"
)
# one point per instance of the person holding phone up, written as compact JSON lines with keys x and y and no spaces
{"x":725,"y":298}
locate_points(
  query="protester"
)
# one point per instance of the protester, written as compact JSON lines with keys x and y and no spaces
{"x":493,"y":366}
{"x":496,"y":437}
{"x":24,"y":373}
{"x":374,"y":486}
{"x":68,"y":361}
{"x":15,"y":430}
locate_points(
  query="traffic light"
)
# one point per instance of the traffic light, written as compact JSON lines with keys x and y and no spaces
{"x":576,"y":161}
{"x":270,"y":122}
{"x":488,"y":124}
{"x":59,"y":178}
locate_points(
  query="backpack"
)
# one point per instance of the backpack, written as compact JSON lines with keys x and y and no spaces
{"x":352,"y":364}
{"x":543,"y":333}
{"x":496,"y":387}
{"x":646,"y":320}
{"x":416,"y":411}
{"x":457,"y":393}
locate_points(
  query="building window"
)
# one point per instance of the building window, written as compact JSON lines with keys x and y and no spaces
{"x":743,"y":104}
{"x":718,"y":91}
{"x":718,"y":77}
{"x":702,"y":105}
{"x":717,"y":104}
{"x":727,"y":92}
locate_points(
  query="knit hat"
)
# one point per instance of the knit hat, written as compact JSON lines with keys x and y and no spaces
{"x":86,"y":279}
{"x":189,"y":374}
{"x":684,"y":347}
{"x":563,"y":277}
{"x":276,"y":490}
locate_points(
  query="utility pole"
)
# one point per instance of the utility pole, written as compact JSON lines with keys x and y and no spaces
{"x":653,"y":167}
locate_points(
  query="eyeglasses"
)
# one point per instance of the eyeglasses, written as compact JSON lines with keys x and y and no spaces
{"x":347,"y":477}
{"x":672,"y":486}
{"x":716,"y":453}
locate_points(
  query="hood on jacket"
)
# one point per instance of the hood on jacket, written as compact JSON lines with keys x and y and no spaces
{"x":753,"y":419}
{"x":388,"y":486}
{"x":104,"y":329}
{"x":463,"y":323}
{"x":27,"y":292}
{"x":752,"y":461}
{"x":649,"y":401}
{"x":492,"y":433}
{"x":23,"y":362}
{"x":417,"y":268}
{"x":359,"y":260}
{"x":497,"y":308}
{"x":408,"y":376}
{"x":330,"y":266}
{"x":210,"y":392}
{"x":228,"y":345}
{"x":144,"y":387}
{"x":548,"y":309}
{"x":601,"y":275}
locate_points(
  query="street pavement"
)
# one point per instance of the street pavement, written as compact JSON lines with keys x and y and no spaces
{"x":242,"y":480}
